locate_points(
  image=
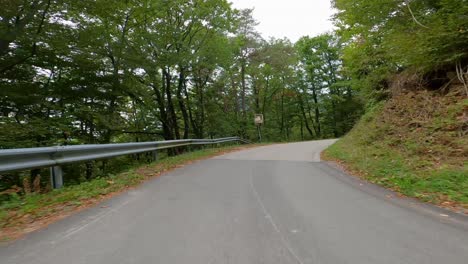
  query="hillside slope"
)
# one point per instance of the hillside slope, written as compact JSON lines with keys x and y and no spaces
{"x":416,"y":143}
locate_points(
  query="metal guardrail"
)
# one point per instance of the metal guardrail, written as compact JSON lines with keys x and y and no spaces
{"x":54,"y":157}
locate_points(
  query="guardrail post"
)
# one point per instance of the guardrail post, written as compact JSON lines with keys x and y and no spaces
{"x":56,"y":177}
{"x":155,"y":155}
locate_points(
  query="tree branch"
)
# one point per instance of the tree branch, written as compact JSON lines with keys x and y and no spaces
{"x":412,"y":14}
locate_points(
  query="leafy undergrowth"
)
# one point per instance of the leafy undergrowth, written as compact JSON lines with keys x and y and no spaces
{"x":25,"y":214}
{"x":416,"y":143}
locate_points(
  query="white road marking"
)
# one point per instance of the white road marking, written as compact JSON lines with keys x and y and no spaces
{"x":272,"y":222}
{"x":77,"y":229}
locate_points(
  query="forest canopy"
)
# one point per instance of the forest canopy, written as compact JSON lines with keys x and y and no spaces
{"x":76,"y":72}
{"x":426,"y":38}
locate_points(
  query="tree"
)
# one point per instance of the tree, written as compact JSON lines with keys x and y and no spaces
{"x":388,"y":37}
{"x":323,"y":87}
{"x":97,"y":71}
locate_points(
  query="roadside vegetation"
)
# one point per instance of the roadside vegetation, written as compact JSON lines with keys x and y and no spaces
{"x":22,"y":214}
{"x":98,"y":71}
{"x":408,"y":60}
{"x":417,"y":149}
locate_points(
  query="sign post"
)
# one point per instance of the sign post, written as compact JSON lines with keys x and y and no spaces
{"x":259,"y":122}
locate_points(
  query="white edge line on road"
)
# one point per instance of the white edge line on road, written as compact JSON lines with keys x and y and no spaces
{"x":97,"y":218}
{"x":69,"y":232}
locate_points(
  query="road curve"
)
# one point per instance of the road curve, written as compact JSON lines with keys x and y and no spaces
{"x":273,"y":204}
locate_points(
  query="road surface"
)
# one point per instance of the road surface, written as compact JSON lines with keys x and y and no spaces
{"x":273,"y":204}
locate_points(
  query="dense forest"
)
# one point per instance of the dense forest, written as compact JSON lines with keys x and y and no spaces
{"x":394,"y":44}
{"x":76,"y":72}
{"x":98,"y":71}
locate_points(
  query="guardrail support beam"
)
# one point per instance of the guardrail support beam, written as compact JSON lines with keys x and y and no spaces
{"x":56,"y":177}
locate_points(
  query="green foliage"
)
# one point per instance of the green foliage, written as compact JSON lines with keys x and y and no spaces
{"x":422,"y":162}
{"x":386,"y":37}
{"x":99,"y":71}
{"x":325,"y":89}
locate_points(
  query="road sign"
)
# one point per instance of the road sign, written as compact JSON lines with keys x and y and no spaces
{"x":259,"y":122}
{"x":258,"y":119}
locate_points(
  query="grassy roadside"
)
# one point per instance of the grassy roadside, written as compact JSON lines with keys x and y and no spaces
{"x":415,"y":144}
{"x":31,"y":212}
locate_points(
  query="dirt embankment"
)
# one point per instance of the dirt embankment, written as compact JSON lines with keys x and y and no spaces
{"x":415,"y":143}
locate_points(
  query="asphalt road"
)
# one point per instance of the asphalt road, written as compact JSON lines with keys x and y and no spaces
{"x":274,"y":204}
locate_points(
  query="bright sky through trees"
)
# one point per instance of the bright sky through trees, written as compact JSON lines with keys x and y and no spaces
{"x":291,"y":18}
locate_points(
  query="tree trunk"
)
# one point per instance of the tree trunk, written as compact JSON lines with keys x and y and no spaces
{"x":304,"y":116}
{"x":182,"y":106}
{"x":170,"y":104}
{"x":162,"y":113}
{"x":317,"y":111}
{"x":243,"y":92}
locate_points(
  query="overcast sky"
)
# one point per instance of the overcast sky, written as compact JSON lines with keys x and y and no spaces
{"x":290,"y":18}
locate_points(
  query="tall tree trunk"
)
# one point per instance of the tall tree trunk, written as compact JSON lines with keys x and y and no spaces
{"x":334,"y":114}
{"x":282,"y":108}
{"x":256,"y":92}
{"x":170,"y":104}
{"x":317,"y":111}
{"x":302,"y":129}
{"x":190,"y":112}
{"x":243,"y":131}
{"x":235,"y":95}
{"x":332,"y":80}
{"x":265,"y":96}
{"x":304,"y":117}
{"x":163,"y":118}
{"x":244,"y":91}
{"x":180,"y":99}
{"x":282,"y":111}
{"x":202,"y":107}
